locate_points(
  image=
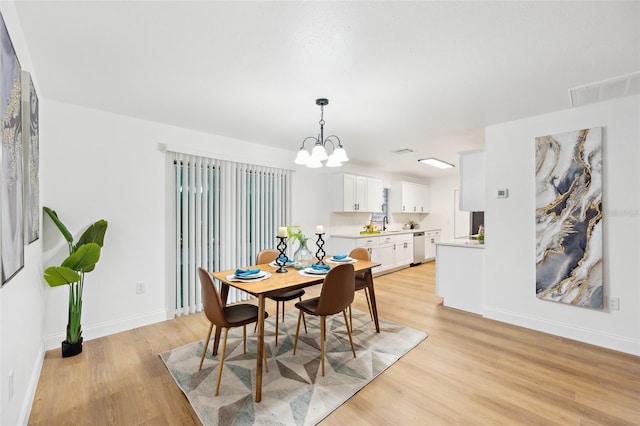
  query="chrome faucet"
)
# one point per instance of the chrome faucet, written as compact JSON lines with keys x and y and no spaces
{"x":385,"y":222}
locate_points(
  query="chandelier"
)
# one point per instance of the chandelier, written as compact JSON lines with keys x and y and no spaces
{"x":319,"y":152}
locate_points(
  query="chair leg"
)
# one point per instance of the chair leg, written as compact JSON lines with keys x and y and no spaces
{"x":349,"y":333}
{"x":350,"y":319}
{"x":221,"y":365}
{"x":206,"y":345}
{"x":304,"y":320}
{"x":277,"y":310}
{"x":295,"y":342}
{"x":323,"y":325}
{"x":366,"y":293}
{"x":244,"y":337}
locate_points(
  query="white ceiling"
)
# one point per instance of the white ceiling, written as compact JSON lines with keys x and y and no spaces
{"x":422,"y":75}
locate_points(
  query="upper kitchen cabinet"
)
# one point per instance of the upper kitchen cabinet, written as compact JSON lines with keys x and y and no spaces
{"x":472,"y":181}
{"x":357,"y":193}
{"x":409,"y":197}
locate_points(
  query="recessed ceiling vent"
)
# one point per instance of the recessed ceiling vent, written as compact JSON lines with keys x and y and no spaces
{"x":616,"y":87}
{"x":402,"y":151}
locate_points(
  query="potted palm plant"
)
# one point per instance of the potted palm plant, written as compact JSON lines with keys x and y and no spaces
{"x":82,"y":258}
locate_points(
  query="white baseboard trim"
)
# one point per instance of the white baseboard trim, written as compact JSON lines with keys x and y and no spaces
{"x":111,"y":327}
{"x":32,"y":386}
{"x":581,"y":334}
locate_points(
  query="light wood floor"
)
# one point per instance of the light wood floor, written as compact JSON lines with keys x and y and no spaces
{"x":469,"y":371}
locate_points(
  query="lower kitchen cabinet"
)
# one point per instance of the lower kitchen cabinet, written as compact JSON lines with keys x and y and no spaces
{"x":431,"y":238}
{"x":391,"y":251}
{"x":404,"y":249}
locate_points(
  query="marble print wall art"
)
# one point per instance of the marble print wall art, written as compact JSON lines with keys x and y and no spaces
{"x":569,"y":218}
{"x":31,"y":154}
{"x":11,"y":186}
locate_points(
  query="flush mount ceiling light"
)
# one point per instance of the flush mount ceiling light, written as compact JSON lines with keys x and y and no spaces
{"x":436,"y":163}
{"x":319,"y":152}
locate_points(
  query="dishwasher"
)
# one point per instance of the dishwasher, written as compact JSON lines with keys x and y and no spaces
{"x":418,"y":248}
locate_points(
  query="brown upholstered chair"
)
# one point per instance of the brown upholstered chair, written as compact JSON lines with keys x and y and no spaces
{"x":336,"y":295}
{"x":361,"y":253}
{"x":226,"y":317}
{"x":267,"y":256}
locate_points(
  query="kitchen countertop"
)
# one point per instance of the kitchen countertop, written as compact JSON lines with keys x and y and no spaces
{"x":461,"y":242}
{"x":380,"y":234}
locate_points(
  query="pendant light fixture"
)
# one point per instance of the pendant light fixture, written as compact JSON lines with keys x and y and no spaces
{"x":319,"y":151}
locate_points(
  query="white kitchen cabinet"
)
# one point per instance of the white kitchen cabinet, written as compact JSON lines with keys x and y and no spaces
{"x":391,"y":251}
{"x":472,"y":181}
{"x":357,"y":194}
{"x":430,"y":240}
{"x":409,"y":197}
{"x":404,"y":250}
{"x":344,"y":245}
{"x":387,"y":252}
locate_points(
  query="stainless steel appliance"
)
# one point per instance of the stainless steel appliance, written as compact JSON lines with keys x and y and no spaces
{"x":418,"y":248}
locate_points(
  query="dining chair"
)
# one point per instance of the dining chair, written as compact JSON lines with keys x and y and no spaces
{"x":267,"y":256}
{"x":336,"y":295}
{"x":226,"y":317}
{"x":361,"y":253}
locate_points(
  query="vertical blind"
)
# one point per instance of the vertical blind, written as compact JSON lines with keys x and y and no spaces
{"x":223,"y":214}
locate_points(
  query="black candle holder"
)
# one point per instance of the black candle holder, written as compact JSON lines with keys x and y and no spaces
{"x":320,"y":253}
{"x":281,"y":261}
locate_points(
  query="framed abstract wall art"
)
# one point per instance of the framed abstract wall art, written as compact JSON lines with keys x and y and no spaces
{"x":569,"y":218}
{"x":31,"y":159}
{"x":11,"y":184}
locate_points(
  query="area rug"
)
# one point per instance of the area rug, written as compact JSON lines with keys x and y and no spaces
{"x":293,"y":391}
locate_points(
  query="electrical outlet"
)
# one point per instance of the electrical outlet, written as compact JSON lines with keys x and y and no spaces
{"x":139,"y":288}
{"x":10,"y":390}
{"x":614,"y":303}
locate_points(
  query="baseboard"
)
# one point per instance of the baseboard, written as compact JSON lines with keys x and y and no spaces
{"x":32,"y":386}
{"x":581,"y":334}
{"x":111,"y":327}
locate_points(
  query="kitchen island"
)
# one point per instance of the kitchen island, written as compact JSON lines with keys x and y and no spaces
{"x":460,"y":274}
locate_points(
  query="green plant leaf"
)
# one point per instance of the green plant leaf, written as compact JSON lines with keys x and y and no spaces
{"x":84,"y":258}
{"x":63,"y":229}
{"x":60,"y":275}
{"x":94,"y":234}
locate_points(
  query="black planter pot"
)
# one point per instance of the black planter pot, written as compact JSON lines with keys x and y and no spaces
{"x":71,"y":349}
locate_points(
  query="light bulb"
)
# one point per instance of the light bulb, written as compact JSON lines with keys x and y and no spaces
{"x":302,"y":157}
{"x":319,"y":153}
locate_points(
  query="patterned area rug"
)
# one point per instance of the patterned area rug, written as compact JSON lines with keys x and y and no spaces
{"x":293,"y":391}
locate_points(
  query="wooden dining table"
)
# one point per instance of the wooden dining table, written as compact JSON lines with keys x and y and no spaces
{"x":277,"y":283}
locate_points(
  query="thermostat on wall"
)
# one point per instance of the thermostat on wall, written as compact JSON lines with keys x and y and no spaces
{"x":503,"y":193}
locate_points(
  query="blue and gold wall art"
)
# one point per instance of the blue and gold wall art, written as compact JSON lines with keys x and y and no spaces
{"x":11,"y":184}
{"x":569,"y":218}
{"x":31,"y":157}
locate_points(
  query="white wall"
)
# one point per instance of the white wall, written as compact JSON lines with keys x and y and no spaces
{"x":510,"y":226}
{"x":117,"y":172}
{"x":22,"y":298}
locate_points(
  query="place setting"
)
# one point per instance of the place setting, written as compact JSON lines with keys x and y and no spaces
{"x":314,"y":270}
{"x":249,"y":275}
{"x":287,"y":261}
{"x":341,"y":258}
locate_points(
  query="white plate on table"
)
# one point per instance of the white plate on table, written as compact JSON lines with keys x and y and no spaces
{"x":250,"y":276}
{"x":345,"y":260}
{"x":315,"y":271}
{"x":275,"y":265}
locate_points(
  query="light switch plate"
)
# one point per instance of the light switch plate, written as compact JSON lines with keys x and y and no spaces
{"x":503,"y":193}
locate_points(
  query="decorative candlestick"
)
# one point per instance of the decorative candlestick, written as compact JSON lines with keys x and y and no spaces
{"x":282,"y":258}
{"x":320,"y":253}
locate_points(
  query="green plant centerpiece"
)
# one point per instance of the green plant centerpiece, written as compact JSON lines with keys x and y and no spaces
{"x":302,"y":257}
{"x":82,"y":259}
